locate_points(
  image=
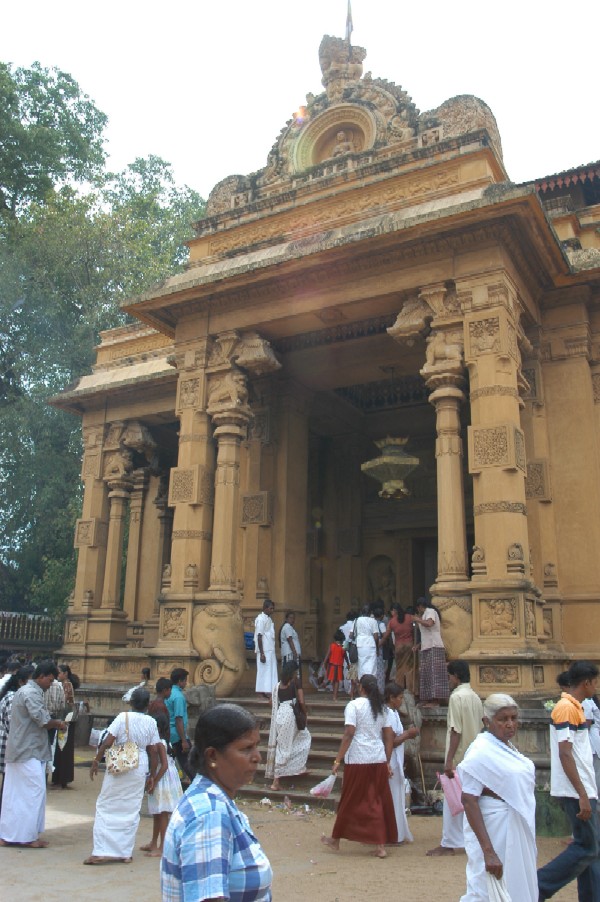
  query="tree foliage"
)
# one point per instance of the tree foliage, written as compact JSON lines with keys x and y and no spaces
{"x":49,"y":133}
{"x":68,"y":257}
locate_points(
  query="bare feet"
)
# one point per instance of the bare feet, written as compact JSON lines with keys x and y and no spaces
{"x":148,"y":848}
{"x":155,"y":853}
{"x":440,"y":851}
{"x":379,"y":852}
{"x":330,"y":842}
{"x":104,"y":859}
{"x":275,"y":787}
{"x":36,"y":844}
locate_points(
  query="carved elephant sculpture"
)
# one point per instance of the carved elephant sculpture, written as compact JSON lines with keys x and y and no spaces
{"x":218,"y":637}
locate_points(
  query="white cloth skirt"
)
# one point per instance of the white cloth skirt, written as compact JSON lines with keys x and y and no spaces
{"x":23,"y":801}
{"x":399,"y":799}
{"x":292,"y":745}
{"x":514,"y":846}
{"x":266,"y":674}
{"x":118,"y":813}
{"x":452,"y":829}
{"x":367,"y":660}
{"x":167,"y":791}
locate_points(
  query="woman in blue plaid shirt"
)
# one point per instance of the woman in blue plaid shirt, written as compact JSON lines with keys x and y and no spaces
{"x":210,"y":852}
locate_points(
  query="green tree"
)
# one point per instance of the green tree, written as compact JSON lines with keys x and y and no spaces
{"x":65,"y":266}
{"x":50,"y":133}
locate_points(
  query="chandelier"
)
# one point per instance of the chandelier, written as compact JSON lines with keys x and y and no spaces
{"x":391,"y":467}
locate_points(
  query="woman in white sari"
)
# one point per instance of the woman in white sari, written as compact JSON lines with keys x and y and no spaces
{"x":118,"y":805}
{"x":366,"y":636}
{"x":288,"y":746}
{"x":498,"y":784}
{"x":394,"y":696}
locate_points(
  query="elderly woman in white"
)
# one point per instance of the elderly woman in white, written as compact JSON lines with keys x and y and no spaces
{"x":118,"y":805}
{"x":366,"y":636}
{"x":498,"y":784}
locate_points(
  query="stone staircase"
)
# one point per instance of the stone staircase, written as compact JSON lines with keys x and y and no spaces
{"x":326,"y":726}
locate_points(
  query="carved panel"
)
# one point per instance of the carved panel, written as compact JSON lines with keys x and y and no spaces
{"x":500,"y":507}
{"x":538,"y":674}
{"x":260,"y":427}
{"x":174,"y":624}
{"x":91,"y":465}
{"x":191,"y":485}
{"x":503,"y":675}
{"x":75,"y":632}
{"x":189,"y":393}
{"x":533,"y":376}
{"x":121,"y":666}
{"x":256,"y":509}
{"x":484,"y":336}
{"x":530,"y":624}
{"x":165,"y":668}
{"x":537,"y":482}
{"x":498,"y":617}
{"x":502,"y":445}
{"x":90,"y":533}
{"x":596,"y":387}
{"x":548,"y":623}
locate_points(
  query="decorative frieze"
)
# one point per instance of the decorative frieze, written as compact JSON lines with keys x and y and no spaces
{"x":509,"y":675}
{"x":500,"y":507}
{"x":489,"y":391}
{"x":256,"y":509}
{"x":90,"y":533}
{"x":191,"y":485}
{"x":179,"y":534}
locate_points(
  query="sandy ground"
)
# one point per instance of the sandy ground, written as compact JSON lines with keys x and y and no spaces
{"x":303,"y":867}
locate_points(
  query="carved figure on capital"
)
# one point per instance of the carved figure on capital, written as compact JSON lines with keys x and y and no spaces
{"x":138,"y":437}
{"x":118,"y":465}
{"x":412,"y":322}
{"x":218,"y":637}
{"x":189,"y":392}
{"x":227,"y":392}
{"x":444,"y":352}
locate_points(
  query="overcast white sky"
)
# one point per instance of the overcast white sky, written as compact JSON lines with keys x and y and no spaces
{"x":209,"y":84}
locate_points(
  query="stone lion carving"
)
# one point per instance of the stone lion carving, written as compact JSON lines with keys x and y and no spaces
{"x":228,"y":391}
{"x":443,"y":348}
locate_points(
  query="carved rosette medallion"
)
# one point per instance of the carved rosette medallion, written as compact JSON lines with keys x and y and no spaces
{"x":502,"y":445}
{"x":256,"y":509}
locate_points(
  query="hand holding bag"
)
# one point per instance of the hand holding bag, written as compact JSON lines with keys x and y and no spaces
{"x":124,"y":756}
{"x":299,"y":714}
{"x":452,"y":793}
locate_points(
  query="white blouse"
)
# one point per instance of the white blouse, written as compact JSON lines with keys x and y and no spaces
{"x":367,"y":744}
{"x":364,"y":631}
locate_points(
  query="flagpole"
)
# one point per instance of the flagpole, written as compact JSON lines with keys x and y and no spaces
{"x":349,"y":28}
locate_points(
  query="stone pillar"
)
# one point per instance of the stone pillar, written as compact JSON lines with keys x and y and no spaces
{"x":230,"y":430}
{"x":447,"y":397}
{"x":136,"y":512}
{"x":118,"y":495}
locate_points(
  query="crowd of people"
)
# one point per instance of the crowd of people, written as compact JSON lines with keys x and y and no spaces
{"x":207,"y":847}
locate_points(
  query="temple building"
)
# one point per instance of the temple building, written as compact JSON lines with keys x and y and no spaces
{"x":377,"y":378}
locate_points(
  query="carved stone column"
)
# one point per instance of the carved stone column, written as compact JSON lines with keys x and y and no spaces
{"x":447,"y":397}
{"x":118,"y":494}
{"x":136,"y":510}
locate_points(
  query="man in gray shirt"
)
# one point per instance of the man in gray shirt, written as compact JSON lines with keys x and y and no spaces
{"x":27,"y":751}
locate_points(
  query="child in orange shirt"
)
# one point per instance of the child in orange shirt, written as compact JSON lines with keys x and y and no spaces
{"x":334,"y":662}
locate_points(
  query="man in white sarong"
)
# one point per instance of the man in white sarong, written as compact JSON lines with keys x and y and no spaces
{"x":27,"y":751}
{"x":264,"y":646}
{"x":498,"y":784}
{"x":464,"y":723}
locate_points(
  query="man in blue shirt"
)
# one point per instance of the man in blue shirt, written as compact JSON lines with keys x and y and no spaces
{"x":178,"y":717}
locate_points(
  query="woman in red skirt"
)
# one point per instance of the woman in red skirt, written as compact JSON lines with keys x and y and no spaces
{"x":365,"y":811}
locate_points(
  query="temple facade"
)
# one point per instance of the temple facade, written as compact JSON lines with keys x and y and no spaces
{"x":378,"y":378}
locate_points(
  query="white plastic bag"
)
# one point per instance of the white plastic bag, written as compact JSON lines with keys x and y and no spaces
{"x":323,"y":789}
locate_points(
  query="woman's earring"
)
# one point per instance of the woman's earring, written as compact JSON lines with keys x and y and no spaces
{"x":213,"y":763}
